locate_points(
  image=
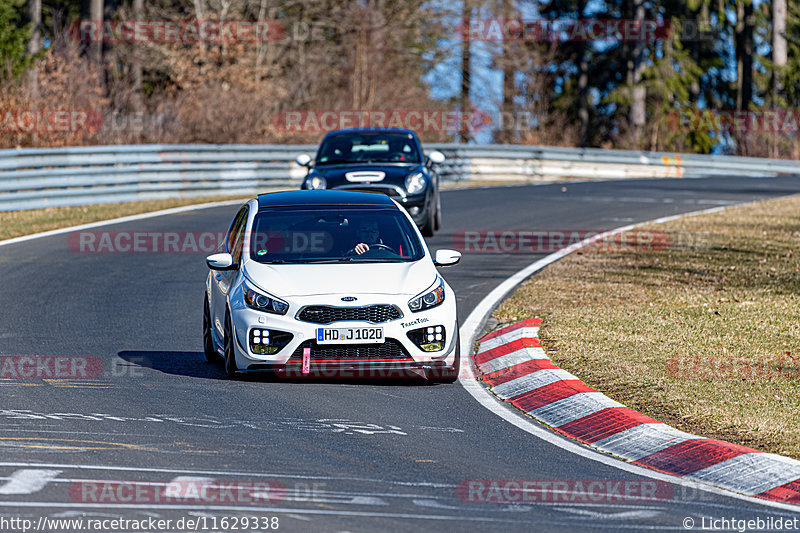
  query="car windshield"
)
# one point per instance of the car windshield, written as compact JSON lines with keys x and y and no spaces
{"x":331,"y":234}
{"x":368,"y":148}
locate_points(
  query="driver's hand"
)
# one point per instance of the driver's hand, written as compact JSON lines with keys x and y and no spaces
{"x":361,"y":248}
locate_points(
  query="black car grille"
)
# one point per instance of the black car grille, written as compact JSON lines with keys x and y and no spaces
{"x":326,"y":314}
{"x":391,"y":349}
{"x":389,"y":191}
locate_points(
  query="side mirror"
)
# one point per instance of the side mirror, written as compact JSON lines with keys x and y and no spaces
{"x":436,"y":157}
{"x":303,"y":160}
{"x":222,"y":261}
{"x":446,"y":258}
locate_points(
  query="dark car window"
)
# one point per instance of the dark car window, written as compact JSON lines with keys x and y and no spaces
{"x":369,"y":147}
{"x":235,"y":224}
{"x":236,"y":237}
{"x":330,"y":234}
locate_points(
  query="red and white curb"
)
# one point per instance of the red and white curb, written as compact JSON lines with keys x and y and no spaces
{"x":518,"y":371}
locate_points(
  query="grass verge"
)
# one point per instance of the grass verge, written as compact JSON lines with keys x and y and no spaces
{"x":18,"y":223}
{"x":703,"y":335}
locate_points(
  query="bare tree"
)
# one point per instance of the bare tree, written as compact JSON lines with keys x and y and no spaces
{"x":465,"y":68}
{"x":96,"y":14}
{"x":136,"y":62}
{"x":745,"y":47}
{"x":779,"y":54}
{"x":34,"y":43}
{"x":637,"y":111}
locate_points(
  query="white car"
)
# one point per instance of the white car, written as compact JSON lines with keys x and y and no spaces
{"x":333,"y":284}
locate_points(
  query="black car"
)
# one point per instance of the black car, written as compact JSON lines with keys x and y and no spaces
{"x":382,"y":160}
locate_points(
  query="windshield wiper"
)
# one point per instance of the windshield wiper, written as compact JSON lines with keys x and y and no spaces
{"x":332,"y":260}
{"x":380,"y":260}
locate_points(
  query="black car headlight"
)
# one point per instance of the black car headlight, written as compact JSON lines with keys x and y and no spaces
{"x":261,"y":302}
{"x":432,"y":297}
{"x":316,"y":182}
{"x":415,"y":183}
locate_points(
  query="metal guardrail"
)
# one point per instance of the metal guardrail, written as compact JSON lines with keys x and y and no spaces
{"x":48,"y":177}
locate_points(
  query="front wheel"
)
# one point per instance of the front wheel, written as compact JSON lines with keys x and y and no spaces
{"x":230,"y":356}
{"x":428,"y":227}
{"x":209,"y":349}
{"x":438,"y":222}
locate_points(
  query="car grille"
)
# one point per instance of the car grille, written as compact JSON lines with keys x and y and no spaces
{"x":391,"y":349}
{"x":326,"y":314}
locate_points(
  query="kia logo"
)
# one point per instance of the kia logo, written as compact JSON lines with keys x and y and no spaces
{"x":349,"y":299}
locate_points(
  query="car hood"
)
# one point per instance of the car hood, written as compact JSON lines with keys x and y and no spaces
{"x":394,"y":172}
{"x":349,"y":279}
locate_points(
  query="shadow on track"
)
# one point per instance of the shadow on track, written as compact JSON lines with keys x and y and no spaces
{"x":191,"y":364}
{"x":194,"y":364}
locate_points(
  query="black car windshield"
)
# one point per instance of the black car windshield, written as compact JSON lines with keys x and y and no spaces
{"x":332,"y":234}
{"x":369,"y":148}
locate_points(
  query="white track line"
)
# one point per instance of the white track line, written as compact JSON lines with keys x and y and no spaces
{"x":28,"y":481}
{"x":473,"y":325}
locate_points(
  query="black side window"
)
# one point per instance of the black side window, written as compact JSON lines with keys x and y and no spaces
{"x":236,"y":235}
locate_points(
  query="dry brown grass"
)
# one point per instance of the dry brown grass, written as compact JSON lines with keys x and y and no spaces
{"x":704,"y":335}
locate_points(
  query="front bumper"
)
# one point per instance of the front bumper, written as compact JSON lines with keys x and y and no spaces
{"x":398,"y":356}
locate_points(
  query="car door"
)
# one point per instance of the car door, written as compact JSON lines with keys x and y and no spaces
{"x":222,"y":280}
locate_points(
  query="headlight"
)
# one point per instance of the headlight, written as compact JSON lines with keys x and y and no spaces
{"x":261,"y":302}
{"x":316,"y":182}
{"x":430,"y":298}
{"x":415,"y":182}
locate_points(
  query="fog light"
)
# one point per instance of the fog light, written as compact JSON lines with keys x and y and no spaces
{"x":428,"y":339}
{"x":268,"y":342}
{"x":414,"y":211}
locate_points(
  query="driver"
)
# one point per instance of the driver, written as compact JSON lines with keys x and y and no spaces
{"x":367,"y":233}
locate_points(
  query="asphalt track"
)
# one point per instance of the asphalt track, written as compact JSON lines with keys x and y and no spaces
{"x":348,"y":456}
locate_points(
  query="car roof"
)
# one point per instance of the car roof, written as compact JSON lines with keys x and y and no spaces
{"x":320,"y":198}
{"x":347,"y":131}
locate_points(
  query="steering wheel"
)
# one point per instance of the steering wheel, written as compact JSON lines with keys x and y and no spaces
{"x":382,"y":247}
{"x":376,"y":246}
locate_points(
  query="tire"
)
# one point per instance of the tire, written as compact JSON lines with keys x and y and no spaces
{"x":448,"y":374}
{"x":438,"y":224}
{"x":230,"y":357}
{"x":428,"y":227}
{"x":209,"y":349}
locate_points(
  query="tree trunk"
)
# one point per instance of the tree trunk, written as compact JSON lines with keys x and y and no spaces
{"x":744,"y":53}
{"x":506,"y":134}
{"x":96,"y":14}
{"x":465,"y":71}
{"x":779,"y":54}
{"x":637,"y":111}
{"x":136,"y":62}
{"x":34,"y":43}
{"x":583,"y":84}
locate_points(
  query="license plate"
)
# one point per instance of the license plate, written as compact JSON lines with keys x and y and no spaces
{"x":349,"y":335}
